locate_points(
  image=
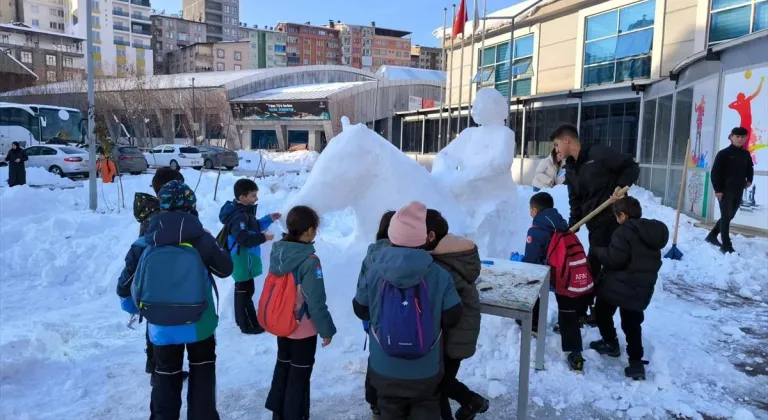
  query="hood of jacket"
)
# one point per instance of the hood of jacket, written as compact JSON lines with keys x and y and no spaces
{"x":403,"y":267}
{"x":460,"y":255}
{"x":144,"y":206}
{"x":550,"y":220}
{"x":653,"y":233}
{"x":231,"y":208}
{"x":173,"y":228}
{"x":372,"y":248}
{"x":287,"y":256}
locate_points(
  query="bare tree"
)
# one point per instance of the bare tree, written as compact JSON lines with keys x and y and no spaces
{"x":695,"y":189}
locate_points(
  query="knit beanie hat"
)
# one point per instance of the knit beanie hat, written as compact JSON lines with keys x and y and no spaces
{"x":408,"y":227}
{"x":177,"y":196}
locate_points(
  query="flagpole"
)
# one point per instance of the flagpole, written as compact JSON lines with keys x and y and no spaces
{"x":442,"y":91}
{"x":450,"y":83}
{"x":482,"y":41}
{"x":472,"y":63}
{"x":461,"y":69}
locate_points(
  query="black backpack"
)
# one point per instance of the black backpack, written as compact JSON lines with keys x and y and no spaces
{"x":223,"y":237}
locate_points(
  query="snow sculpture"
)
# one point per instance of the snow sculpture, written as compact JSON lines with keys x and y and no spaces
{"x":477,"y":169}
{"x":362,"y":170}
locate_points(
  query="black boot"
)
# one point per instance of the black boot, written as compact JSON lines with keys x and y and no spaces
{"x":636,"y":370}
{"x":478,"y":405}
{"x":606,"y":348}
{"x":727,"y":249}
{"x":576,"y":362}
{"x":375,"y":412}
{"x":712,"y":240}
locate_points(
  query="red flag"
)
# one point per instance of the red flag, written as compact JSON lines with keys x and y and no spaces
{"x":461,"y":19}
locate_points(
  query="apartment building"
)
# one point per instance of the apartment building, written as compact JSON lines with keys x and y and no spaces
{"x":429,"y":58}
{"x":169,"y":33}
{"x":221,"y":16}
{"x":310,"y":45}
{"x":8,"y":12}
{"x":356,"y":45}
{"x":48,"y":15}
{"x":209,"y":56}
{"x":267,"y":46}
{"x":52,"y":56}
{"x":390,"y":47}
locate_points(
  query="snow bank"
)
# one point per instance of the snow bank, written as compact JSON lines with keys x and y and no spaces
{"x":277,"y":162}
{"x":38,"y":177}
{"x":362,"y":171}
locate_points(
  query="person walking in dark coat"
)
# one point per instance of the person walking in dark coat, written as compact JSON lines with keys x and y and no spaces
{"x":461,"y":259}
{"x":593,"y":174}
{"x":632,"y":262}
{"x":732,"y":173}
{"x":17,"y":171}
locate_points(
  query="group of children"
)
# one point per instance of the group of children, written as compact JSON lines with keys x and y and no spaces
{"x":416,"y":295}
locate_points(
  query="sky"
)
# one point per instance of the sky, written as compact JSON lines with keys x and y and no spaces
{"x":418,"y":16}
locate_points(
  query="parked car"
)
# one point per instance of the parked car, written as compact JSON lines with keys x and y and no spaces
{"x":217,"y":157}
{"x":65,"y":161}
{"x":129,"y":160}
{"x":175,"y":156}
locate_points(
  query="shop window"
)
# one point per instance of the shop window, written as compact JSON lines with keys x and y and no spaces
{"x":541,"y":122}
{"x":649,"y":122}
{"x":612,"y":124}
{"x":661,"y":136}
{"x":682,"y":130}
{"x":411,"y":136}
{"x":731,"y":19}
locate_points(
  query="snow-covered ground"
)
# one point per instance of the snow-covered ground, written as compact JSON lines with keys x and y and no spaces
{"x":277,"y":162}
{"x":65,"y":350}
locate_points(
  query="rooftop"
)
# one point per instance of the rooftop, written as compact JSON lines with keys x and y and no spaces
{"x":24,"y":28}
{"x":395,"y":33}
{"x":299,"y":93}
{"x":408,"y":73}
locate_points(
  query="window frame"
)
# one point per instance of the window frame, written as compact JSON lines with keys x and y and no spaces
{"x":752,"y":4}
{"x":489,"y":70}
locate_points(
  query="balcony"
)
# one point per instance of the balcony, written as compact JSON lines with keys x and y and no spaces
{"x":122,"y":42}
{"x":213,"y":6}
{"x":142,"y":45}
{"x":141,"y":31}
{"x":143,"y":3}
{"x":139,"y":16}
{"x":122,"y":13}
{"x":119,"y":27}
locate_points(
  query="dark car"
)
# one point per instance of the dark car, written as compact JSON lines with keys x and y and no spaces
{"x":129,"y":159}
{"x":217,"y":157}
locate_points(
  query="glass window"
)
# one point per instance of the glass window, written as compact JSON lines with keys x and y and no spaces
{"x":731,"y":19}
{"x":683,"y":114}
{"x":761,"y":16}
{"x":661,"y":136}
{"x":412,"y":136}
{"x":50,"y":60}
{"x":618,"y":46}
{"x":219,"y":66}
{"x":50,"y":75}
{"x":26,"y":57}
{"x":646,"y":143}
{"x":612,"y":124}
{"x":495,"y":68}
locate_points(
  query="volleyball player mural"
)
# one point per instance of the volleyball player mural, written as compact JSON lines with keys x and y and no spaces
{"x":743,"y":106}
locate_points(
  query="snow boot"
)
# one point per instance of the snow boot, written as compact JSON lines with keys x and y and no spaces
{"x":478,"y":405}
{"x":375,"y":412}
{"x":636,"y":370}
{"x":606,"y":348}
{"x":727,"y":249}
{"x":256,"y":330}
{"x":576,"y":362}
{"x":712,"y":240}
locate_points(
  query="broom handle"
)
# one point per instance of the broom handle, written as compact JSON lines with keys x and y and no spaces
{"x":682,"y":190}
{"x":596,"y":211}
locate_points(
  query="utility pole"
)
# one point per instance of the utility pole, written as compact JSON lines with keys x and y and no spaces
{"x":194,"y":119}
{"x":92,"y":197}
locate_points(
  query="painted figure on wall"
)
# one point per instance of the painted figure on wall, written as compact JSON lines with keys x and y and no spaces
{"x":698,"y":159}
{"x":743,"y":106}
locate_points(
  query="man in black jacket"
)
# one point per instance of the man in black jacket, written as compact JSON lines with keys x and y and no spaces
{"x":593,"y":174}
{"x":732,"y":172}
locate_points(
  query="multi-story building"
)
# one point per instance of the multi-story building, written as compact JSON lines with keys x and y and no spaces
{"x":390,"y":47}
{"x":221,"y":16}
{"x":170,"y":33}
{"x":209,"y":56}
{"x":356,"y":45}
{"x":309,"y":45}
{"x":267,"y":47}
{"x":53,"y":57}
{"x":48,"y":15}
{"x":429,"y":58}
{"x":9,"y":11}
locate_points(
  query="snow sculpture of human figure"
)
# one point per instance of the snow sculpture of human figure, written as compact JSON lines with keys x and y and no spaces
{"x":477,"y":169}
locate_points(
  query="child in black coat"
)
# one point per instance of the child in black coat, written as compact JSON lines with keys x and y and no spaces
{"x":631,"y":266}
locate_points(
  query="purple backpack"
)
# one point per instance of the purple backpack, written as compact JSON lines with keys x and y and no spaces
{"x":406,"y":329}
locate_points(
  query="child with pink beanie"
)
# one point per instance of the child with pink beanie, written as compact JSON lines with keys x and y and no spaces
{"x":409,"y":300}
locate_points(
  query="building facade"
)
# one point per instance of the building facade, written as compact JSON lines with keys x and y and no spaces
{"x":209,"y":56}
{"x":221,"y":16}
{"x":267,"y":46}
{"x":391,"y":47}
{"x":53,"y":57}
{"x":356,"y":45}
{"x":8,"y":12}
{"x":310,"y":45}
{"x":169,"y":33}
{"x":429,"y":58}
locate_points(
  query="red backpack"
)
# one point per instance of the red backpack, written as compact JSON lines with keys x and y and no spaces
{"x":277,"y":304}
{"x":570,"y":272}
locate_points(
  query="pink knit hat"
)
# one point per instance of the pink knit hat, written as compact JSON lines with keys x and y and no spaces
{"x":408,"y":227}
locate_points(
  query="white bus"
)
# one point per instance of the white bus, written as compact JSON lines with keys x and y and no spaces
{"x":36,"y":124}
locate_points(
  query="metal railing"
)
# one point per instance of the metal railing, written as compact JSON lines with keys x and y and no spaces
{"x":119,"y":27}
{"x":140,"y":45}
{"x":120,"y":13}
{"x":144,"y":3}
{"x":141,"y":31}
{"x":139,"y":16}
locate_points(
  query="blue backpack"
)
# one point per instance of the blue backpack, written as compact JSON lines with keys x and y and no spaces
{"x":406,"y":328}
{"x":170,"y":286}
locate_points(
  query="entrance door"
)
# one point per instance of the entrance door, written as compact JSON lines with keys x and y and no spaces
{"x":264,"y":139}
{"x":297,"y":138}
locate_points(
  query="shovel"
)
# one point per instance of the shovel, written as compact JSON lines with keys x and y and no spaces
{"x":597,"y":211}
{"x":674,"y":253}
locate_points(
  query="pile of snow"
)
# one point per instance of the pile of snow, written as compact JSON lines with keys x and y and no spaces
{"x":38,"y":177}
{"x":277,"y":162}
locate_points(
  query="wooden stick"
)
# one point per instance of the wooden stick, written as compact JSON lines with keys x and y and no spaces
{"x":682,"y":192}
{"x":598,"y":210}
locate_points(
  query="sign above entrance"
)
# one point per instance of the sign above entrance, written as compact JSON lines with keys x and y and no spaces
{"x":314,"y":110}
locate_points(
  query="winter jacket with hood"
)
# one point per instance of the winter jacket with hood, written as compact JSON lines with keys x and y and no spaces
{"x":17,"y":171}
{"x":631,"y":263}
{"x":545,"y":224}
{"x":144,"y":207}
{"x":246,"y":234}
{"x":300,"y":259}
{"x":405,"y":268}
{"x":461,"y":259}
{"x":547,"y":171}
{"x":173,"y":228}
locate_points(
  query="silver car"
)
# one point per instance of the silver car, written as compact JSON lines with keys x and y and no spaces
{"x":65,"y":161}
{"x":217,"y":157}
{"x":129,"y":160}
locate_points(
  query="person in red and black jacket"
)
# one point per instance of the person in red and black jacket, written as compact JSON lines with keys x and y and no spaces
{"x":593,"y":173}
{"x":732,"y":172}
